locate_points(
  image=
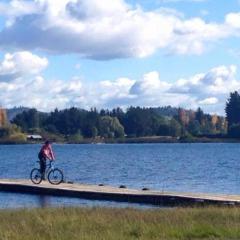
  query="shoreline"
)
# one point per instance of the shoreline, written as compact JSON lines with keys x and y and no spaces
{"x":140,"y":140}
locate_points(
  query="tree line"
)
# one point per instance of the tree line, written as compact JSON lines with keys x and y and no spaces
{"x":75,"y":124}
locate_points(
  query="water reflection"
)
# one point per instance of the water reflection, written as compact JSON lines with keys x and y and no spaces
{"x":18,"y":200}
{"x":44,"y":201}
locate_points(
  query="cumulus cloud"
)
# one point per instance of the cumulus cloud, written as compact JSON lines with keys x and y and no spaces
{"x":219,"y":80}
{"x":106,"y":29}
{"x":233,"y":20}
{"x":208,"y":90}
{"x":149,"y":85}
{"x":21,"y":64}
{"x":17,"y":8}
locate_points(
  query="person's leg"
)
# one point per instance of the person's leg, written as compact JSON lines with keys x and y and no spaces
{"x":42,"y":166}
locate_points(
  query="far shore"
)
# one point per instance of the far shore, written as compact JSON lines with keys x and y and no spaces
{"x":133,"y":140}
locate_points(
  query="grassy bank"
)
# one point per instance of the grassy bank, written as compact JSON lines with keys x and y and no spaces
{"x":124,"y":224}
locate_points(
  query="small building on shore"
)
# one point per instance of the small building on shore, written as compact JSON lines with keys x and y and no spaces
{"x":34,"y":137}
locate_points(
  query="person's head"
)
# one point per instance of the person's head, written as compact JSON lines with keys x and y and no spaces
{"x":47,"y":142}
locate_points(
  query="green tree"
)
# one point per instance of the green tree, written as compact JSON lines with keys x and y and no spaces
{"x":91,"y":121}
{"x":200,"y":116}
{"x":94,"y":132}
{"x":194,"y":128}
{"x":75,"y":138}
{"x":174,"y":128}
{"x":233,"y":109}
{"x":140,"y":122}
{"x":234,"y":131}
{"x":31,"y":119}
{"x":111,"y":127}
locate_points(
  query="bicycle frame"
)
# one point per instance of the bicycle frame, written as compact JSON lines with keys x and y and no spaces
{"x":49,"y":166}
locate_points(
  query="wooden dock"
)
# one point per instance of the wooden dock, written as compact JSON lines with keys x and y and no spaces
{"x":108,"y":193}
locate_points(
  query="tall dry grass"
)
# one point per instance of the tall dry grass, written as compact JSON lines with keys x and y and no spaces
{"x":124,"y":224}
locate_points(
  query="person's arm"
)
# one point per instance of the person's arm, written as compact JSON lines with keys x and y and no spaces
{"x":52,"y":157}
{"x":52,"y":154}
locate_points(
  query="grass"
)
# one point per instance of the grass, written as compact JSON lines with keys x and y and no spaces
{"x":103,"y":224}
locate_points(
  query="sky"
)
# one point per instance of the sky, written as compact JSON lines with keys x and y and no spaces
{"x":119,"y":53}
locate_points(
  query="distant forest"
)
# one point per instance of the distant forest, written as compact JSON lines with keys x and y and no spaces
{"x":74,"y":124}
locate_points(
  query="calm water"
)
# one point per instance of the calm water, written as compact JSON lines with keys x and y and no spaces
{"x":210,"y":168}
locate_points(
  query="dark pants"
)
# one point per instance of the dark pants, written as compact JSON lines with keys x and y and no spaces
{"x":42,"y":163}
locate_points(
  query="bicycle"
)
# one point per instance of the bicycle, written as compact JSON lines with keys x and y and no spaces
{"x":54,"y":175}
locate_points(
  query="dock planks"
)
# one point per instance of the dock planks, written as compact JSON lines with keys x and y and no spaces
{"x":108,"y":193}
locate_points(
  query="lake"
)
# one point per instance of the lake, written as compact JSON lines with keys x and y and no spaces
{"x":206,"y":168}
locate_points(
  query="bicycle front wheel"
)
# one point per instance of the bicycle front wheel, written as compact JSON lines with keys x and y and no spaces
{"x":55,"y":176}
{"x":36,"y":176}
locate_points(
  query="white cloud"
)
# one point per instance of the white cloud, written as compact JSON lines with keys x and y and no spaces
{"x":106,"y":29}
{"x":113,"y":92}
{"x":219,"y":80}
{"x":28,"y":88}
{"x":233,"y":20}
{"x":208,"y":101}
{"x":21,"y":64}
{"x":150,"y":84}
{"x":17,"y":8}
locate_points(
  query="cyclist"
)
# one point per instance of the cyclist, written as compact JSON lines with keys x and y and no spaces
{"x":45,"y":153}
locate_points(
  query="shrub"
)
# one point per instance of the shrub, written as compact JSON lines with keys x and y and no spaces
{"x":18,"y":137}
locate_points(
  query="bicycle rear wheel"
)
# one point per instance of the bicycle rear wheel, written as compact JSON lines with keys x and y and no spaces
{"x":55,"y":176}
{"x":36,"y":176}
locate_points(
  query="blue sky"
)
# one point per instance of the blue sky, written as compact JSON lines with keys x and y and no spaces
{"x":87,"y":53}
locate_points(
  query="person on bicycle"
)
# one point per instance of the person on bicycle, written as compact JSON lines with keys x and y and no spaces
{"x":45,"y":153}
